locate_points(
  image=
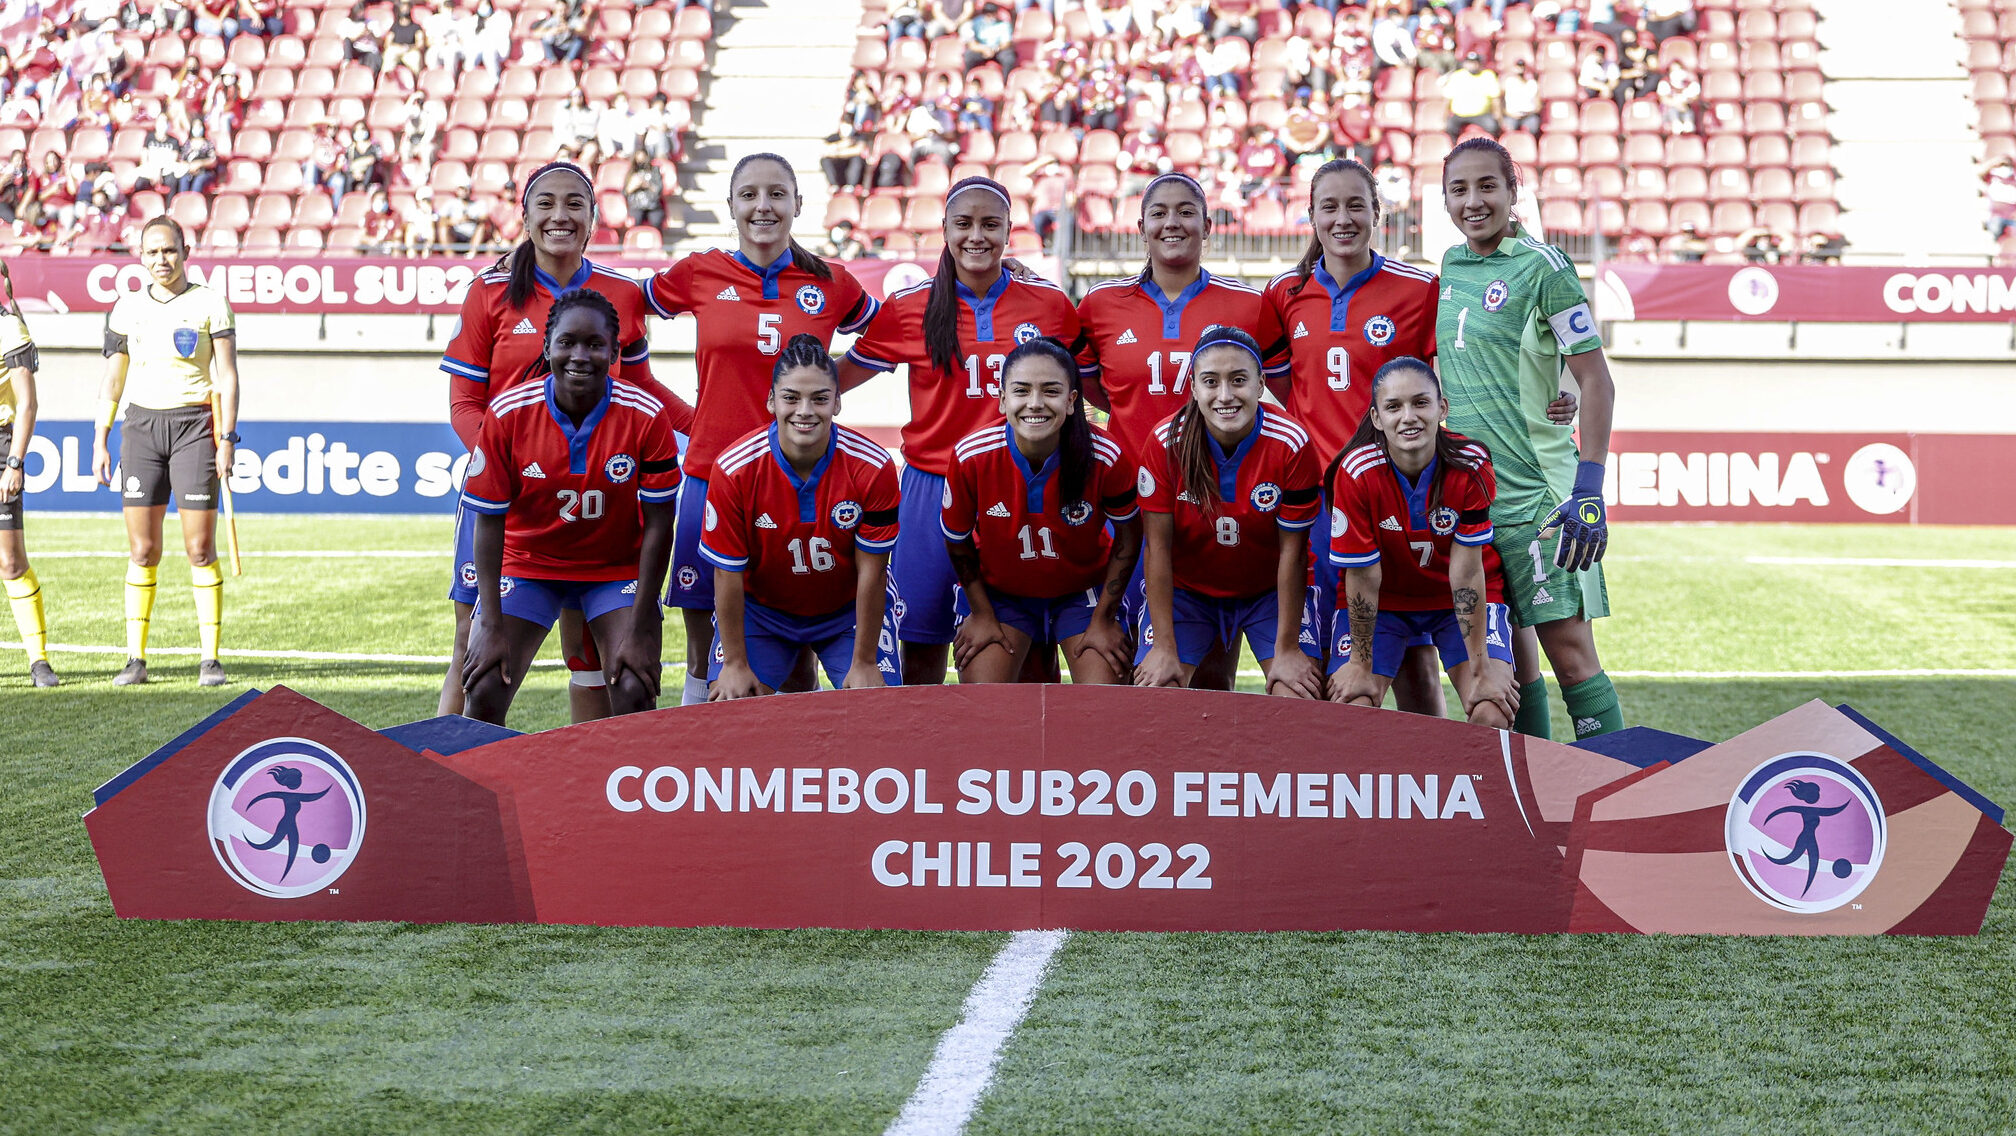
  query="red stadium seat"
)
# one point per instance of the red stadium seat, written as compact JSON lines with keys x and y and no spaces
{"x":1729,"y":183}
{"x":1648,"y":217}
{"x":262,"y":241}
{"x":599,"y":84}
{"x":1646,"y":183}
{"x":654,"y":22}
{"x":217,"y":240}
{"x":1771,"y":184}
{"x":306,"y":114}
{"x":304,"y":240}
{"x":385,"y":113}
{"x":642,"y":239}
{"x":273,"y":83}
{"x":190,"y":209}
{"x":345,"y":241}
{"x":313,"y":210}
{"x":1520,"y":145}
{"x":1560,"y":183}
{"x":1601,"y":148}
{"x":315,"y":82}
{"x":694,"y":22}
{"x":1562,"y":217}
{"x":1731,"y":218}
{"x":272,"y":210}
{"x":1639,"y":150}
{"x":1819,"y":217}
{"x":1686,"y":183}
{"x":286,"y":52}
{"x":1808,"y":117}
{"x":1769,"y":150}
{"x":229,"y":211}
{"x":926,"y":214}
{"x":842,"y":207}
{"x":241,"y":175}
{"x":498,"y":146}
{"x":1605,"y":182}
{"x":681,"y":85}
{"x":1727,"y":150}
{"x":1265,"y":217}
{"x":1813,"y":186}
{"x":881,"y":215}
{"x":1811,"y":152}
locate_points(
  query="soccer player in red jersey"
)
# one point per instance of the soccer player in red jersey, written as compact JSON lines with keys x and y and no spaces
{"x":954,"y":334}
{"x":495,"y":345}
{"x":1230,"y":491}
{"x":800,"y":519}
{"x":1412,"y":535}
{"x":746,"y":305}
{"x":1025,"y":511}
{"x":572,"y":480}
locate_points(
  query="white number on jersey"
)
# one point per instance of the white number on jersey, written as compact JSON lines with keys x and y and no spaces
{"x":768,"y":339}
{"x":1180,"y":360}
{"x":992,"y":387}
{"x":1462,"y":317}
{"x":1042,"y":537}
{"x":808,"y":556}
{"x":1424,"y":549}
{"x":1340,"y":369}
{"x":1539,"y":565}
{"x":589,"y":503}
{"x":1228,"y":532}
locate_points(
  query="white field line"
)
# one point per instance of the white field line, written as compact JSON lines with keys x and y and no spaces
{"x":1899,"y":672}
{"x":1819,"y":561}
{"x":963,"y":1064}
{"x":298,"y":554}
{"x":246,"y":653}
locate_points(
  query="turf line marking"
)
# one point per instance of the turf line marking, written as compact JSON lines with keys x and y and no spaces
{"x":296,"y":554}
{"x":248,"y":653}
{"x":963,"y":1065}
{"x":1899,"y":672}
{"x":1821,"y":561}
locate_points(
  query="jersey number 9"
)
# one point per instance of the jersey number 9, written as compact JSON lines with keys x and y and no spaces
{"x":1340,"y":369}
{"x":589,"y":504}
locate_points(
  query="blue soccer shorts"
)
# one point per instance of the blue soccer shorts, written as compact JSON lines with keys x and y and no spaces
{"x":1396,"y":631}
{"x":1043,"y":620}
{"x":774,"y":638}
{"x":462,"y":588}
{"x":921,"y":564}
{"x":690,"y":582}
{"x":1206,"y":623}
{"x":540,"y":601}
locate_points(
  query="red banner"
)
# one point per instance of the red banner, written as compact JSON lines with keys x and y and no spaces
{"x":1010,"y":807}
{"x":1818,"y":293}
{"x":329,"y":284}
{"x":1934,"y":479}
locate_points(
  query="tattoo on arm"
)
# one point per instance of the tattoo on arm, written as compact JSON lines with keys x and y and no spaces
{"x":1465,"y":602}
{"x":965,"y":561}
{"x":1364,"y":617}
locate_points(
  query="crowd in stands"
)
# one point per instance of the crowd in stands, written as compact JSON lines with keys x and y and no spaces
{"x":254,"y":121}
{"x":1600,"y":101}
{"x":1989,"y":30}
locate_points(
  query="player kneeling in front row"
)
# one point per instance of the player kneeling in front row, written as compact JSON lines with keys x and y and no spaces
{"x":1025,"y":515}
{"x":1230,"y":489}
{"x":1412,"y":532}
{"x":573,"y":480}
{"x":799,"y":521}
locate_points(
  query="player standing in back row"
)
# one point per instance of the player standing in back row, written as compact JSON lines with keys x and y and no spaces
{"x":168,"y":349}
{"x":1512,"y":313}
{"x":746,"y":305}
{"x":18,"y":362}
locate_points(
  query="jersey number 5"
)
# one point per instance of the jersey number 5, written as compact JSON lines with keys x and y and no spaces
{"x":589,"y":505}
{"x":768,"y":339}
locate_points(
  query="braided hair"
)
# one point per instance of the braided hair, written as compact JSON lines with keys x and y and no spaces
{"x":805,"y":351}
{"x":582,"y":298}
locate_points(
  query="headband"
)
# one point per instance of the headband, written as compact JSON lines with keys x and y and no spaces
{"x":1228,"y":341}
{"x":525,"y":199}
{"x":1173,"y":175}
{"x":988,"y":186}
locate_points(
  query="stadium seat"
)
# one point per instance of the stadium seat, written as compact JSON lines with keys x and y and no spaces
{"x":881,"y":216}
{"x":1564,"y":216}
{"x":281,"y":177}
{"x":190,"y":209}
{"x":315,"y":82}
{"x":842,"y":207}
{"x":1731,"y":218}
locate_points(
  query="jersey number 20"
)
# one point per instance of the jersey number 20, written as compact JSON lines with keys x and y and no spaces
{"x":589,"y":505}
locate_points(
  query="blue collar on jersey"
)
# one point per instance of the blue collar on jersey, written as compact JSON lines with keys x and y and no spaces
{"x":1228,"y":464}
{"x":767,"y":275}
{"x":983,"y":306}
{"x":577,"y":437}
{"x":1416,"y":492}
{"x":807,"y":487}
{"x":1340,"y":295}
{"x":558,"y":289}
{"x":1172,"y":310}
{"x":1037,"y":479}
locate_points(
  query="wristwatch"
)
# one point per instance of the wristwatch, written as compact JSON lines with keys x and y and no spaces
{"x":13,"y":462}
{"x":233,"y":437}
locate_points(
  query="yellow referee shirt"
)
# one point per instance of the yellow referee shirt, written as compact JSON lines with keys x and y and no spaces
{"x":168,"y":343}
{"x":1470,"y":95}
{"x":16,"y":350}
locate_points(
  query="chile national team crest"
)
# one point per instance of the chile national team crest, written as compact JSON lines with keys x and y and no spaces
{"x":1442,"y":520}
{"x":1077,"y":513}
{"x":1805,"y":832}
{"x":1024,"y":332}
{"x":811,"y":300}
{"x":1495,"y":295}
{"x":619,"y":468}
{"x":286,"y":818}
{"x":1265,"y":496}
{"x":1379,"y":331}
{"x":847,"y":514}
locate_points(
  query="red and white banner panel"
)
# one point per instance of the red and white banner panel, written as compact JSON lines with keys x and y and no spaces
{"x":1817,"y":293}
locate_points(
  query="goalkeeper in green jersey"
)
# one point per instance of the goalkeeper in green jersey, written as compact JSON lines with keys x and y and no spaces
{"x":1511,"y":315}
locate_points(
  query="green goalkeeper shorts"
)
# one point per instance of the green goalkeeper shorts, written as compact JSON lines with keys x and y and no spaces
{"x":1536,"y":590}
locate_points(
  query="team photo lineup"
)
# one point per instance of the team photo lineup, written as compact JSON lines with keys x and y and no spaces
{"x":1411,"y":498}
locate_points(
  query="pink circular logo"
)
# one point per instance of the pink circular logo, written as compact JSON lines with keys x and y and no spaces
{"x":1805,"y":832}
{"x":286,"y":818}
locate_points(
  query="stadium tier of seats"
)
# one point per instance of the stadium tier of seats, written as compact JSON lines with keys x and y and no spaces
{"x":1989,"y":30}
{"x":1755,"y":156}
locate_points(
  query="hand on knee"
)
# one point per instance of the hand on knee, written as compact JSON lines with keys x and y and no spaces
{"x":1489,"y":714}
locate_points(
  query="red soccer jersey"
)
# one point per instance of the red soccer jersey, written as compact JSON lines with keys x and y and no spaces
{"x":947,"y":406}
{"x":794,"y":540}
{"x":1267,"y":483}
{"x":743,"y":316}
{"x":1031,"y":542}
{"x":1377,"y":517}
{"x":494,"y":345}
{"x":1329,"y":339}
{"x":569,"y":495}
{"x":1139,"y":340}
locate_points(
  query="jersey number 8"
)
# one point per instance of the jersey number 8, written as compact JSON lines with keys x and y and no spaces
{"x":590,"y":504}
{"x":1228,"y":532}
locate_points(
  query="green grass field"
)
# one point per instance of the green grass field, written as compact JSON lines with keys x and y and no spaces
{"x":113,"y":1026}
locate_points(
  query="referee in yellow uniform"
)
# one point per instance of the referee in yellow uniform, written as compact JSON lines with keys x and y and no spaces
{"x":17,"y":425}
{"x":167,"y":348}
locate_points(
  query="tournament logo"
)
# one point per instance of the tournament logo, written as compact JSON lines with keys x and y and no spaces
{"x":185,"y":342}
{"x":948,"y":495}
{"x":477,"y":463}
{"x":1442,"y":520}
{"x":1753,"y":291}
{"x":619,"y":468}
{"x":1144,"y":484}
{"x":713,"y":518}
{"x":1379,"y":331}
{"x":847,"y":514}
{"x":1805,"y":832}
{"x":1078,"y":512}
{"x":689,"y":577}
{"x":1495,"y":295}
{"x":1024,"y":332}
{"x":1265,"y":496}
{"x":811,"y":300}
{"x":1880,"y":478}
{"x":1339,"y":524}
{"x":286,"y":818}
{"x":468,"y":573}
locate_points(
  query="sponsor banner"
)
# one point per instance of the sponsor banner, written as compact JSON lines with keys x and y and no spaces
{"x":1817,"y":293}
{"x":1857,"y":478}
{"x":280,"y":467}
{"x":1348,"y":819}
{"x":342,"y":285}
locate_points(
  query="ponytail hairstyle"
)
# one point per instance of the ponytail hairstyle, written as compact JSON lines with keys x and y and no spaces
{"x":941,"y":310}
{"x":581,"y":298}
{"x":1507,"y":168}
{"x":1306,"y":267}
{"x":164,"y":221}
{"x":523,"y":259}
{"x":1189,"y":438}
{"x":800,"y":255}
{"x":1451,"y":454}
{"x":1074,"y":447}
{"x":805,"y":351}
{"x":1195,"y":190}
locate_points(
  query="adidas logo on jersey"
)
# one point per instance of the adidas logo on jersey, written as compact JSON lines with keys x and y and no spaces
{"x":532,"y":470}
{"x":727,"y":293}
{"x":1126,"y":337}
{"x":630,"y":589}
{"x":999,"y":510}
{"x":525,"y":328}
{"x":764,"y":522}
{"x":1543,"y":596}
{"x":1301,"y":330}
{"x":1391,"y":523}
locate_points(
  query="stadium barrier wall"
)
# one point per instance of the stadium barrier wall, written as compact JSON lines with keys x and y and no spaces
{"x":1811,"y":293}
{"x":1085,"y":807}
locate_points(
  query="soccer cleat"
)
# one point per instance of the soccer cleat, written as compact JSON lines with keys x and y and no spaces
{"x":134,"y":673}
{"x":43,"y":674}
{"x":210,"y":672}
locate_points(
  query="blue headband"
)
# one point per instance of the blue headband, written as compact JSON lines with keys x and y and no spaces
{"x":1229,"y":342}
